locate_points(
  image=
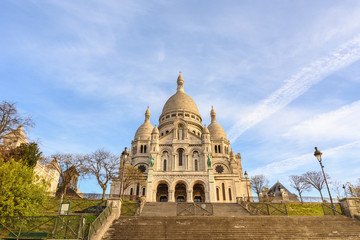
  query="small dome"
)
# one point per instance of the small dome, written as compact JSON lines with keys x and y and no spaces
{"x":205,"y":130}
{"x":215,"y":129}
{"x":180,"y":100}
{"x":155,"y":130}
{"x":232,"y":154}
{"x":145,"y":130}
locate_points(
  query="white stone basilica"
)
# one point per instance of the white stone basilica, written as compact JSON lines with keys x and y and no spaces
{"x":191,"y":162}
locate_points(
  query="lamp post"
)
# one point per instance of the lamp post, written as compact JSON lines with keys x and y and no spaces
{"x":318,"y":154}
{"x":247,"y":187}
{"x":344,"y":190}
{"x":123,"y":158}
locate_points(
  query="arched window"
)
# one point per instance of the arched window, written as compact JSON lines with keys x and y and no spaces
{"x":143,"y":192}
{"x":223,"y":191}
{"x":196,"y":165}
{"x":219,"y":149}
{"x":131,"y":191}
{"x":217,"y":194}
{"x":230,"y":198}
{"x":141,"y":149}
{"x":181,"y":151}
{"x":215,"y":149}
{"x":164,"y":164}
{"x":137,"y":190}
{"x":144,"y":148}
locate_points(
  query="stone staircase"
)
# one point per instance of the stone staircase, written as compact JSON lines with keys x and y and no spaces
{"x":169,"y":209}
{"x":159,"y":209}
{"x":244,"y":227}
{"x":229,"y":210}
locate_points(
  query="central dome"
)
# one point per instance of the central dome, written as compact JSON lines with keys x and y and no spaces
{"x":180,"y":100}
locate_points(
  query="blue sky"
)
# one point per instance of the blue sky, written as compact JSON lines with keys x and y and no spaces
{"x":283,"y":76}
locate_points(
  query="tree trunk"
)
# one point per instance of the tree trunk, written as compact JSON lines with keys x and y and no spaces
{"x":103,"y":195}
{"x":65,"y":188}
{"x":302,"y":202}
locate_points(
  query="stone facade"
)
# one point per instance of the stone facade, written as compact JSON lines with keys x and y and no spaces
{"x":192,"y":162}
{"x":15,"y":138}
{"x":50,"y":173}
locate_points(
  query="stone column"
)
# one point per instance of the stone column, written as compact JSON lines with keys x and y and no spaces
{"x":212,"y":187}
{"x":350,"y":206}
{"x":189,"y":197}
{"x":171,"y":195}
{"x":149,"y":185}
{"x":116,"y":206}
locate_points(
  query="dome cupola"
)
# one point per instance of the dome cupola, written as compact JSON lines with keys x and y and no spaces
{"x":145,"y":130}
{"x":216,"y":131}
{"x":180,"y":101}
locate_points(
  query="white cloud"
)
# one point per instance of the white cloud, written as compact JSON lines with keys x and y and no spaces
{"x":289,"y":165}
{"x":341,"y":124}
{"x":298,"y":84}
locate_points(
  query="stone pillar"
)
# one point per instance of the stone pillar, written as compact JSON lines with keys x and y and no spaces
{"x":149,"y":184}
{"x":171,"y":195}
{"x":189,"y":196}
{"x":350,"y":206}
{"x":212,"y":187}
{"x":116,"y":206}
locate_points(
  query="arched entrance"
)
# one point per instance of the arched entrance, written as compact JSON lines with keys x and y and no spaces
{"x":198,"y":192}
{"x":180,"y":192}
{"x":162,"y":193}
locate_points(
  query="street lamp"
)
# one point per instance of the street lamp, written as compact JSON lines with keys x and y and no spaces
{"x":123,"y":158}
{"x":247,"y":187}
{"x":318,"y":154}
{"x":344,"y":190}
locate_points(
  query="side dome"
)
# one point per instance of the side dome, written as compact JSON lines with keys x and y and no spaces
{"x":216,"y":131}
{"x":145,"y":130}
{"x":180,"y":100}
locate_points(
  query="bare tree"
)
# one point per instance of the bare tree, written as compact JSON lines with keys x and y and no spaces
{"x":337,"y":187}
{"x":352,"y":190}
{"x":69,"y":163}
{"x":316,"y":180}
{"x":132,"y":176}
{"x":298,"y":183}
{"x":103,"y":165}
{"x":258,"y":183}
{"x":10,"y":119}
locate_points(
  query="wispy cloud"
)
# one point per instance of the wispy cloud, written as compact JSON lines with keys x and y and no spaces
{"x":341,"y":124}
{"x":298,"y":84}
{"x":290,"y":164}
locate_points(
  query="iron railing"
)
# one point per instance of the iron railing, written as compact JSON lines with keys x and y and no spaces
{"x":194,"y":209}
{"x":266,"y":208}
{"x":330,"y":210}
{"x":52,"y":227}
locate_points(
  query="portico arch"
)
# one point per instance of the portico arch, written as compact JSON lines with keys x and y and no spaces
{"x":199,"y":191}
{"x":162,"y":192}
{"x":180,"y":192}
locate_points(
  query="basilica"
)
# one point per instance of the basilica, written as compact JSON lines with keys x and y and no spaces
{"x":184,"y":160}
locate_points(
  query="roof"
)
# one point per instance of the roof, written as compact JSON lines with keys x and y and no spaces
{"x":275,"y":190}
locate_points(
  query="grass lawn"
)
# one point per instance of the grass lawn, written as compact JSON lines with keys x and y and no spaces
{"x":296,"y":209}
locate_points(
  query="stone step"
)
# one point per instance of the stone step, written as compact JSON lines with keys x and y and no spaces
{"x":159,"y":209}
{"x":170,"y":209}
{"x":245,"y":227}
